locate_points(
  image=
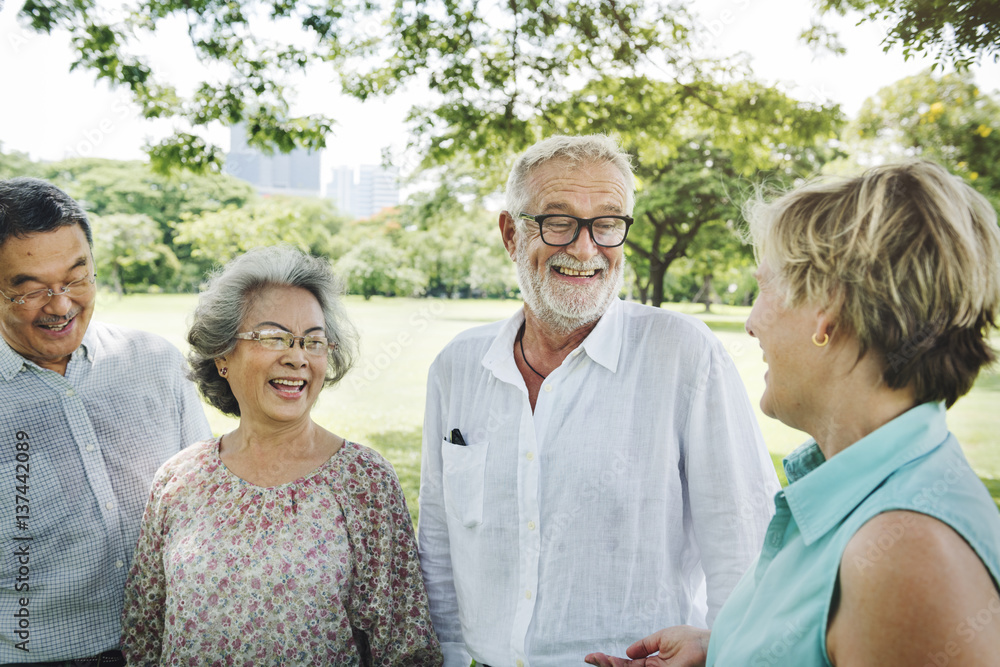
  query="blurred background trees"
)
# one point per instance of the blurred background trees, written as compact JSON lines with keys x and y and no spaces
{"x":704,"y":133}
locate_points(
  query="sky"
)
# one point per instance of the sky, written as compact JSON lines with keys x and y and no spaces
{"x":52,"y":113}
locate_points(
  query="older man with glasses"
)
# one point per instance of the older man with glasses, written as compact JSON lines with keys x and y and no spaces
{"x":88,"y":412}
{"x":590,"y":466}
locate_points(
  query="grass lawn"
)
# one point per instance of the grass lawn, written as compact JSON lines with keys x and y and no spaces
{"x":380,"y":403}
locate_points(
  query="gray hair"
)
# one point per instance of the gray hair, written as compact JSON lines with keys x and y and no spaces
{"x":588,"y":149}
{"x":224,"y":304}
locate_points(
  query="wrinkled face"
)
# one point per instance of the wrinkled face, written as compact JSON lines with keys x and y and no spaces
{"x":277,"y":386}
{"x":785,"y":334}
{"x":571,"y":286}
{"x":49,"y":335}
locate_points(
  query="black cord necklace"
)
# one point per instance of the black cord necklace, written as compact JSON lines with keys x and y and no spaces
{"x":520,"y":341}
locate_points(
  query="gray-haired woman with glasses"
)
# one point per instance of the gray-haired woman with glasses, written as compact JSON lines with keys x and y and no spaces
{"x":279,"y":542}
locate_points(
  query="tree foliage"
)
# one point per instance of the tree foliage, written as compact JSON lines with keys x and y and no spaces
{"x":130,"y":253}
{"x":499,"y":76}
{"x":309,"y":224}
{"x":954,"y":32}
{"x":945,"y":118}
{"x":376,"y":266}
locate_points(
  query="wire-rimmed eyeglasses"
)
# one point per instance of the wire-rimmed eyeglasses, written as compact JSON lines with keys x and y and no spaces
{"x":283,"y":340}
{"x":38,"y":298}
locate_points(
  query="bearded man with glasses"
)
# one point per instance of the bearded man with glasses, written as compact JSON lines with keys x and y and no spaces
{"x":589,"y":465}
{"x":88,"y":412}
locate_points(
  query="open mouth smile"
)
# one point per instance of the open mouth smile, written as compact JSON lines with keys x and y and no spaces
{"x":288,"y":387}
{"x":57,"y":327}
{"x":574,"y":273}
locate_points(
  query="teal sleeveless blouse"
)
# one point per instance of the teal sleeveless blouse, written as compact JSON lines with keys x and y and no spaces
{"x":778,"y":613}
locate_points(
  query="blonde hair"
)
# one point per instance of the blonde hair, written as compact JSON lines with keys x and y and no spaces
{"x":907,"y":255}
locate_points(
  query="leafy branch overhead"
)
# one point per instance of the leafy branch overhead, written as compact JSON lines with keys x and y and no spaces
{"x":955,"y":33}
{"x":498,"y":75}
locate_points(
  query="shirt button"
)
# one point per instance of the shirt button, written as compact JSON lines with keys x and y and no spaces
{"x":91,"y":448}
{"x":527,"y":595}
{"x":531,"y":525}
{"x":548,"y":387}
{"x":109,"y":505}
{"x":119,"y":564}
{"x":519,"y":663}
{"x":70,"y":392}
{"x":530,"y":456}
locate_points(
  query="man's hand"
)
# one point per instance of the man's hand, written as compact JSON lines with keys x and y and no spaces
{"x":679,"y":646}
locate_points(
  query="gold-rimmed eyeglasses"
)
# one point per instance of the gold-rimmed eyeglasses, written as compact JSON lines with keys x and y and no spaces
{"x":283,"y":340}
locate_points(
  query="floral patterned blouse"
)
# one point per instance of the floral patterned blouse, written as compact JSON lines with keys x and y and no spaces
{"x":319,"y":571}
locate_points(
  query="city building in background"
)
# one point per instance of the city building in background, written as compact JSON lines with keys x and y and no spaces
{"x":364,"y":193}
{"x":296,"y":173}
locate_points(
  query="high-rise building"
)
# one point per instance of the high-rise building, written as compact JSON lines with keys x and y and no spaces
{"x":364,"y":194}
{"x":295,"y":173}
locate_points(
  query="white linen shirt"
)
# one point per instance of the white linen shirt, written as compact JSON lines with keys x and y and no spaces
{"x":597,"y":519}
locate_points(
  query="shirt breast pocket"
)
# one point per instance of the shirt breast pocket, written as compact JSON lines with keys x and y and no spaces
{"x":464,"y":473}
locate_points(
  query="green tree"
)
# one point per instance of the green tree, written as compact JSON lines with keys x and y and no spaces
{"x":945,"y":118}
{"x":958,"y":32}
{"x":375,"y":266}
{"x":456,"y":245}
{"x":130,"y":254}
{"x":500,"y":75}
{"x":309,"y":224}
{"x":14,"y":164}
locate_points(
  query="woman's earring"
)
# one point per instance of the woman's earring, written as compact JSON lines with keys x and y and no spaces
{"x":826,"y":339}
{"x":225,"y":371}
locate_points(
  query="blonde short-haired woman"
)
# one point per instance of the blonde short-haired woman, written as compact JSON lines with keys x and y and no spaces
{"x":877,"y":296}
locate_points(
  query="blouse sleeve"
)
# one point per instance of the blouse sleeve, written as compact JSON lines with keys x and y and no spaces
{"x":145,"y":590}
{"x":388,"y":601}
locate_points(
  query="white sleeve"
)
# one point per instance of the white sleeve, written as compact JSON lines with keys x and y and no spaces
{"x":432,"y":533}
{"x":730,"y":479}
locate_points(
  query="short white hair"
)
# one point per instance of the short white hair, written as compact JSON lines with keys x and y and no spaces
{"x":588,"y":149}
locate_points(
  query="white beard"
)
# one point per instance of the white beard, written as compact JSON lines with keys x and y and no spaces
{"x":563,"y":307}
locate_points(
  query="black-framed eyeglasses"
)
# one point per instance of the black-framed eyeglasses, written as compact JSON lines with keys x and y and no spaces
{"x":559,"y":229}
{"x":40,"y":297}
{"x":283,"y":340}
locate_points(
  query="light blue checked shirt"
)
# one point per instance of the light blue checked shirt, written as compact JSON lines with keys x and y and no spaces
{"x":77,"y":456}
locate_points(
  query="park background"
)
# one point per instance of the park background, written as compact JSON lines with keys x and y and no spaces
{"x":127,"y":104}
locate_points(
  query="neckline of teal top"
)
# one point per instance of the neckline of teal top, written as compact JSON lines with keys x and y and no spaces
{"x":821,"y":492}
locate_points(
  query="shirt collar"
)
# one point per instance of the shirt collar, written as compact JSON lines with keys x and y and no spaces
{"x":821,"y":493}
{"x":603,"y":344}
{"x":12,"y":363}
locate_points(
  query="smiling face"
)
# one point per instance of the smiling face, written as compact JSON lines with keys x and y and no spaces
{"x":571,"y":286}
{"x":49,"y":335}
{"x":277,"y":386}
{"x":795,"y":369}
